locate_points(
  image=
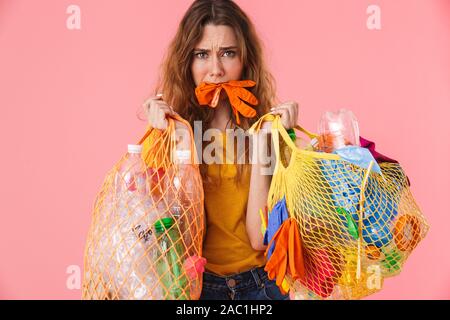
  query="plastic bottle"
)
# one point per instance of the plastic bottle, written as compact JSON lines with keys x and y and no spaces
{"x":337,"y":130}
{"x":311,"y":145}
{"x":134,"y":239}
{"x":187,"y":198}
{"x":133,"y":169}
{"x":169,"y":261}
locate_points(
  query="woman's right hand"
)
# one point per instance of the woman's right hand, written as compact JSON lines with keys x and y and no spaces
{"x":157,"y":110}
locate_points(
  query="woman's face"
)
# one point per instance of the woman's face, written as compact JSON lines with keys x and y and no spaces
{"x":216,"y":56}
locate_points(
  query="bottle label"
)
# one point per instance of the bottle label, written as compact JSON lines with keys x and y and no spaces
{"x":142,"y":234}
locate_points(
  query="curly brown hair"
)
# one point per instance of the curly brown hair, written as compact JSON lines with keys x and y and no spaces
{"x":176,"y":80}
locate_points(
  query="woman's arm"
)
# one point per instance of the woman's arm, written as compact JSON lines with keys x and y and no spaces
{"x":260,"y":179}
{"x":259,"y":187}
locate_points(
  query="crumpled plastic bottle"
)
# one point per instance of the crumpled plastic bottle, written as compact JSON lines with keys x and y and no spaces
{"x":133,"y":238}
{"x":337,"y":130}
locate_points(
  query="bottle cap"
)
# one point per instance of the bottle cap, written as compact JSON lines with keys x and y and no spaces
{"x":292,"y":134}
{"x":164,"y":223}
{"x":134,"y":148}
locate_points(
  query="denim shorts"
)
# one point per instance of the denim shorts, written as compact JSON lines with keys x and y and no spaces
{"x":250,"y":285}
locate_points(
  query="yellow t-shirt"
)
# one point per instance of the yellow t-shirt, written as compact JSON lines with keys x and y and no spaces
{"x":227,"y":247}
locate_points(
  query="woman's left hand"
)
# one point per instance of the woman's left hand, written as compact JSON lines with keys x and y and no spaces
{"x":288,"y":112}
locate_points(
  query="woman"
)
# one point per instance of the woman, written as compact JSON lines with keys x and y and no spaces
{"x":216,"y":43}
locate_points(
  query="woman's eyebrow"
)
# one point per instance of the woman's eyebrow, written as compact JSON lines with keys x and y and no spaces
{"x":221,"y":49}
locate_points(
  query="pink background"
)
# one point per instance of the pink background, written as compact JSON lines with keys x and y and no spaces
{"x":69,"y":99}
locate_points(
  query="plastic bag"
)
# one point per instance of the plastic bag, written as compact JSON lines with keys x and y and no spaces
{"x":147,"y":224}
{"x":356,"y":226}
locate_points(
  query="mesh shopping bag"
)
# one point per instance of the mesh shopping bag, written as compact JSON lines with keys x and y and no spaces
{"x":145,"y":239}
{"x":356,"y":226}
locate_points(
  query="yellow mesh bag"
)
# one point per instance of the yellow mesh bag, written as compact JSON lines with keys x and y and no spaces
{"x":356,"y":226}
{"x":145,"y":239}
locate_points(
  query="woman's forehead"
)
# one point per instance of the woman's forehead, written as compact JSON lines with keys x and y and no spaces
{"x":216,"y":37}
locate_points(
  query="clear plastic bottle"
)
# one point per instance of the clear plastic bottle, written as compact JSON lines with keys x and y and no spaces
{"x":187,"y":199}
{"x":337,"y":130}
{"x":311,"y":145}
{"x":133,"y":170}
{"x":134,"y":239}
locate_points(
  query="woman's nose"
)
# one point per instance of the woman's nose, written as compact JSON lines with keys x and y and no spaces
{"x":216,"y":68}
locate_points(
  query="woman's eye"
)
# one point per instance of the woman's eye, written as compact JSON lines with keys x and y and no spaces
{"x":201,"y":55}
{"x":229,"y":53}
{"x":204,"y":55}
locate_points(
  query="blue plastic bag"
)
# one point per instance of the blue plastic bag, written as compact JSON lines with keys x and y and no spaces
{"x":380,"y":209}
{"x":358,"y":156}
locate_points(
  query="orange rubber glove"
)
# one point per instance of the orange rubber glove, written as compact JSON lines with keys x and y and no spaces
{"x":277,"y":265}
{"x":209,"y":94}
{"x":287,"y":256}
{"x":296,"y":263}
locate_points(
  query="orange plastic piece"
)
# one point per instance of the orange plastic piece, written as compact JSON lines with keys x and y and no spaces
{"x":372,"y":252}
{"x":401,"y":240}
